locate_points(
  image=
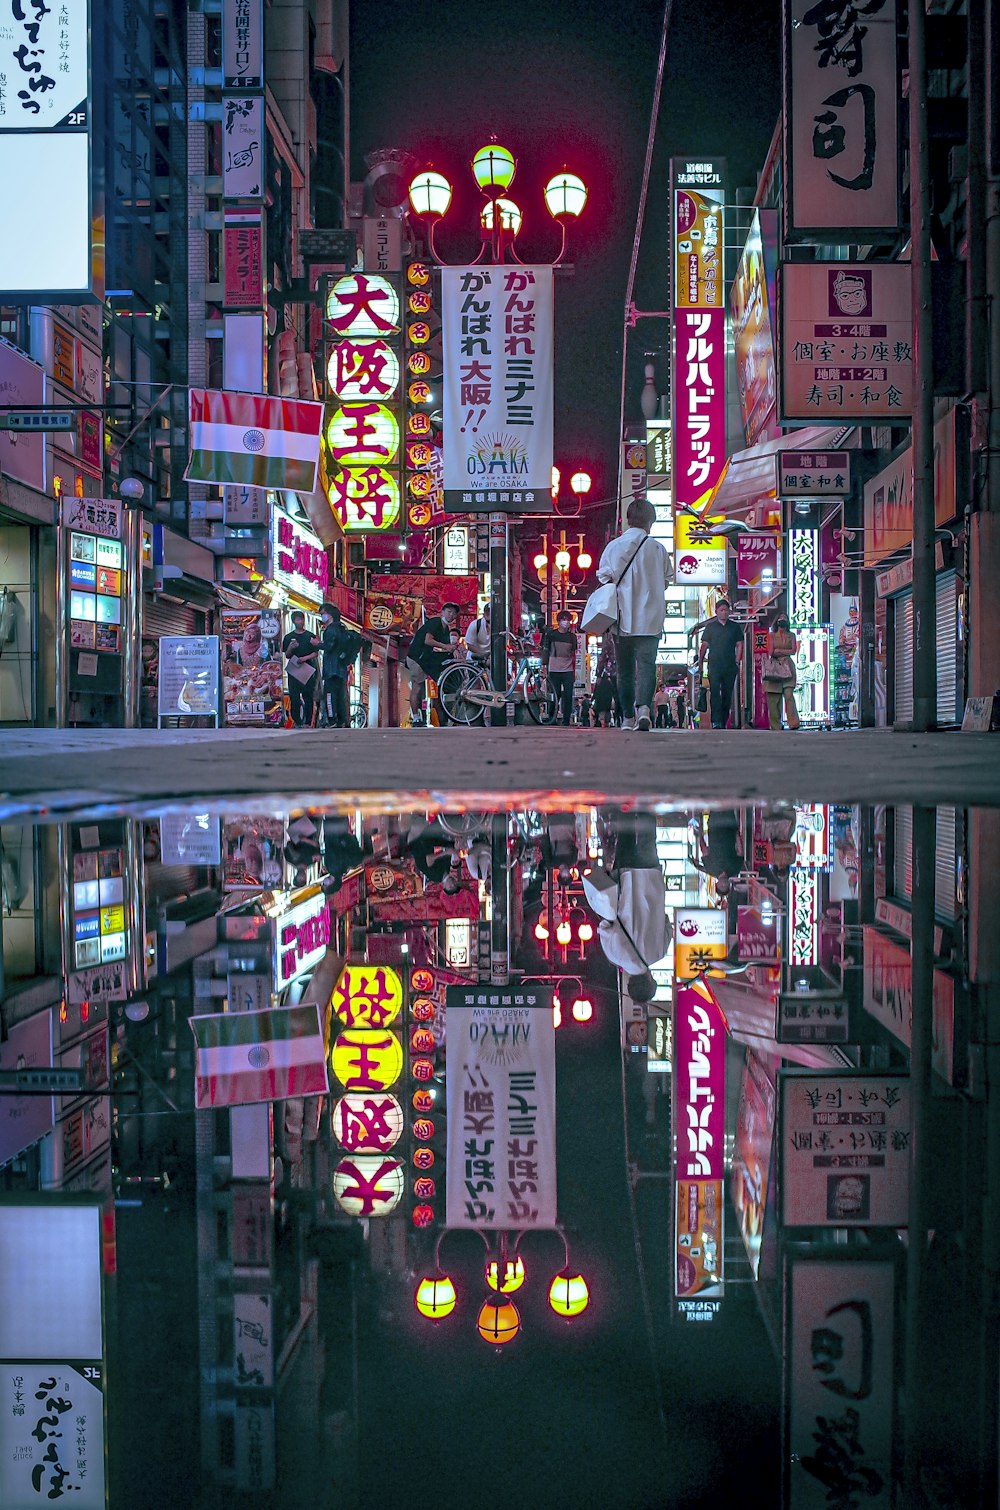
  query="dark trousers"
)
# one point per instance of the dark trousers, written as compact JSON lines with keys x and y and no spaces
{"x":562,"y":685}
{"x":720,"y":686}
{"x":338,"y":714}
{"x":300,"y":701}
{"x":636,"y":671}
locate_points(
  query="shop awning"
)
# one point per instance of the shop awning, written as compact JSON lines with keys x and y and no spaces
{"x":752,"y":474}
{"x":751,"y":1015}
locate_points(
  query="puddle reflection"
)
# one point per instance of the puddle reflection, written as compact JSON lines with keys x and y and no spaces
{"x":581,"y":1146}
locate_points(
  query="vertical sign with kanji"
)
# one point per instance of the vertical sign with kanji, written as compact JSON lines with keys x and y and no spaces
{"x":501,"y":1167}
{"x":841,"y":103}
{"x":498,"y":366}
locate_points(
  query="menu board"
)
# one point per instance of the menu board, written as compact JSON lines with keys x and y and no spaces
{"x":251,"y":667}
{"x":96,"y":585}
{"x":97,"y":907}
{"x":188,"y":675}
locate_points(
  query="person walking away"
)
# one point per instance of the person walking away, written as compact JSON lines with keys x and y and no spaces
{"x":634,"y":931}
{"x":777,"y":673}
{"x":722,"y":643}
{"x":641,"y":567}
{"x":300,"y":649}
{"x":559,"y":662}
{"x":430,"y":651}
{"x":337,"y":645}
{"x":663,"y":716}
{"x":477,"y":638}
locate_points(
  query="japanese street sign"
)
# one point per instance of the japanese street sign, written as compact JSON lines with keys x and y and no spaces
{"x":844,"y":1147}
{"x":814,"y":474}
{"x":38,"y":419}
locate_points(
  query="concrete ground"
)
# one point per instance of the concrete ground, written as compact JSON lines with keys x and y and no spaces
{"x":51,"y":772}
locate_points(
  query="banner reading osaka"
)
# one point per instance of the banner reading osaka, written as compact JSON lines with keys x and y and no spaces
{"x":501,"y":1117}
{"x":497,"y":342}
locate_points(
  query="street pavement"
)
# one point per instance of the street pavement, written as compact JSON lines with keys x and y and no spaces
{"x":52,"y":772}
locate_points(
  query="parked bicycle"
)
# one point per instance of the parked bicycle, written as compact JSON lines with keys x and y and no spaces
{"x":466,"y":688}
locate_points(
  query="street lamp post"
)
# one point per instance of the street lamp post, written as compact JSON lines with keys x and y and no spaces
{"x":493,"y":168}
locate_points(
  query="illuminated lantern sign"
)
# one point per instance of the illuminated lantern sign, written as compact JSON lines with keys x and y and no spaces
{"x":368,"y":1185}
{"x":360,"y":435}
{"x":418,"y":274}
{"x":362,"y":305}
{"x":700,"y":937}
{"x":368,"y":996}
{"x":367,"y":1123}
{"x":364,"y":499}
{"x":367,"y":1059}
{"x":299,"y":561}
{"x":363,"y":370}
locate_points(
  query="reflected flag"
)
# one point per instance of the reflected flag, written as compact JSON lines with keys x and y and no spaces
{"x":247,"y":1057}
{"x":253,"y":440}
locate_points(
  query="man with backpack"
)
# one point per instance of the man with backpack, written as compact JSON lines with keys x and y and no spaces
{"x":641,"y":568}
{"x":340,"y":650}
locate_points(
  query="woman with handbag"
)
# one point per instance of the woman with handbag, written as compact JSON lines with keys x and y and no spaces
{"x":777,"y":672}
{"x":640,"y":570}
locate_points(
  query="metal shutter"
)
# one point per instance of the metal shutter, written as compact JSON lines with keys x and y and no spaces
{"x":903,"y":658}
{"x":902,"y":865}
{"x":162,"y":615}
{"x":945,"y":903}
{"x":946,"y":636}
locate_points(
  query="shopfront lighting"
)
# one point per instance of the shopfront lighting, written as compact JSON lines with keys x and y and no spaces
{"x":565,"y":194}
{"x":430,"y":194}
{"x":511,"y":1279}
{"x":569,"y":1295}
{"x":435,"y":1297}
{"x":583,"y":1009}
{"x":581,"y":483}
{"x":506,"y":213}
{"x":498,"y":1321}
{"x":493,"y":168}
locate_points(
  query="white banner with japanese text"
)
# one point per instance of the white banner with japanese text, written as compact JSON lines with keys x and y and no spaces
{"x":501,"y":1117}
{"x":844,"y":1148}
{"x":841,"y":103}
{"x":498,"y":364}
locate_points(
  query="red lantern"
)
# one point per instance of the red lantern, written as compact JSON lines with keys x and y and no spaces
{"x":422,"y":1069}
{"x":422,"y":1041}
{"x":424,"y":1188}
{"x":422,"y":1101}
{"x":423,"y":1216}
{"x":423,"y":1158}
{"x":419,"y":303}
{"x":418,"y":455}
{"x":418,"y":363}
{"x":422,"y":1009}
{"x":420,"y":484}
{"x":423,"y":1128}
{"x":419,"y":333}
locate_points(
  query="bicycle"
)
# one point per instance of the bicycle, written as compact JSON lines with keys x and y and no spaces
{"x":466,"y":689}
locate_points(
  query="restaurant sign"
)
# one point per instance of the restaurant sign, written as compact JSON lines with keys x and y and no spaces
{"x":844,"y":1141}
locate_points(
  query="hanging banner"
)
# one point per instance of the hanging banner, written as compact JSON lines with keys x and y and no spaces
{"x":700,"y":937}
{"x":243,"y":258}
{"x":751,"y":1165}
{"x":498,"y":367}
{"x":243,"y":44}
{"x":839,"y":1349}
{"x":243,"y":147}
{"x":844,"y":1148}
{"x":699,"y":402}
{"x":846,"y":342}
{"x":501,"y":1164}
{"x":841,"y":127}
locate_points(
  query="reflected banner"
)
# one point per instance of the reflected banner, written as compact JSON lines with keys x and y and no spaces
{"x":699,"y":1146}
{"x":501,"y":1117}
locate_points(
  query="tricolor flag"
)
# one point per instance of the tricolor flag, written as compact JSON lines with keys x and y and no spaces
{"x":244,"y":1057}
{"x":248,"y":438}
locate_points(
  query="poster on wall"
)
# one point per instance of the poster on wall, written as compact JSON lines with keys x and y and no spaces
{"x":498,"y":367}
{"x":751,"y":309}
{"x":251,"y":667}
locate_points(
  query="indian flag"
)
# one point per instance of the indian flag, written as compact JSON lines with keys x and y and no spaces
{"x":251,"y":439}
{"x":245,"y":1057}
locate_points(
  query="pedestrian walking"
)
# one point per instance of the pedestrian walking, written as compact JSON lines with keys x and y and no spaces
{"x":663,"y":715}
{"x":641,"y":568}
{"x":722,"y":643}
{"x":777,"y":673}
{"x":340,"y":646}
{"x":300,"y":649}
{"x":630,"y":900}
{"x":430,"y":650}
{"x":559,"y":661}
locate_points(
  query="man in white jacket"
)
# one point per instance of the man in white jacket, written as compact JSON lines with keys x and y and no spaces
{"x":642,"y":568}
{"x":639,"y":935}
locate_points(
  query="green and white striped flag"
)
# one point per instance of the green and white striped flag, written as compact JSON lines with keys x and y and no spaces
{"x":253,"y":440}
{"x":246,"y":1057}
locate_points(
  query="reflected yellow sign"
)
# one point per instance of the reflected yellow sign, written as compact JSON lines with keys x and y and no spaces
{"x":367,"y":1059}
{"x":368,"y":996}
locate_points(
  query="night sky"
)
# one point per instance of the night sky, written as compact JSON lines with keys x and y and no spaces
{"x":571,"y":85}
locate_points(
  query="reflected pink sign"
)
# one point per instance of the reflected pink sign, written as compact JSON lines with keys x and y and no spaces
{"x":699,"y":402}
{"x":699,"y":1084}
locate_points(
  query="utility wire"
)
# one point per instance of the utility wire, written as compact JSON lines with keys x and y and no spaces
{"x":643,"y":195}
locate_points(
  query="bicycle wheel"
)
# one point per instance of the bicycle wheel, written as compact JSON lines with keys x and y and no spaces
{"x":540,"y":699}
{"x":359,"y":716}
{"x":452,"y":687}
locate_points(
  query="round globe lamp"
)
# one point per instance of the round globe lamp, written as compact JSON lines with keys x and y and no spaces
{"x":493,"y":168}
{"x":583,"y":1010}
{"x":569,"y":1295}
{"x":430,"y":194}
{"x":498,"y":1320}
{"x":562,"y":560}
{"x":565,"y":194}
{"x":506,"y":213}
{"x":512,"y":1278}
{"x":435,"y":1297}
{"x":581,"y":482}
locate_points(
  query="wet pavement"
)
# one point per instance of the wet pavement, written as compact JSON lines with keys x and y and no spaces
{"x":690,"y":1075}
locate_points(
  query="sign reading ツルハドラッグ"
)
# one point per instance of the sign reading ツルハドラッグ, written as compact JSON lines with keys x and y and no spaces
{"x":497,"y":341}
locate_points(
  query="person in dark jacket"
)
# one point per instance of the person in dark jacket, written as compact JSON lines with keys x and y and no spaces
{"x":559,"y":660}
{"x":337,"y":645}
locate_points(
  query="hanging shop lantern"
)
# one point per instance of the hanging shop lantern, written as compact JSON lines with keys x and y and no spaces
{"x":422,"y":1069}
{"x":363,"y":434}
{"x":424,"y":1188}
{"x":362,"y":304}
{"x":423,"y":1216}
{"x":419,"y":333}
{"x":419,"y":392}
{"x":422,"y":1041}
{"x":418,"y":363}
{"x":422,"y":1100}
{"x":367,"y":1059}
{"x":367,"y":1123}
{"x":422,"y":1009}
{"x":419,"y":303}
{"x":423,"y":1158}
{"x":420,"y":515}
{"x":422,"y":979}
{"x":363,"y":370}
{"x":368,"y":1185}
{"x":362,"y":499}
{"x":418,"y":274}
{"x":423,"y":1129}
{"x":367,"y":996}
{"x":420,"y":484}
{"x":418,"y":424}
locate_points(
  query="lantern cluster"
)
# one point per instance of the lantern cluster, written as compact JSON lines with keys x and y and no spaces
{"x":362,"y":437}
{"x":367,"y":1060}
{"x":422,"y":468}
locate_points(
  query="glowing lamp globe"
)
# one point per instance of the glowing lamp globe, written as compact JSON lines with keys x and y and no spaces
{"x":569,"y":1295}
{"x":512,"y":1278}
{"x":583,"y":1010}
{"x":565,"y":194}
{"x":430,"y":194}
{"x":541,"y":932}
{"x":423,"y":1158}
{"x":423,"y":1215}
{"x":493,"y":168}
{"x":435,"y":1297}
{"x":424,"y":1188}
{"x":585,"y":932}
{"x":498,"y":1321}
{"x":556,"y":476}
{"x":562,"y":560}
{"x":556,"y":1013}
{"x":580,"y":482}
{"x":564,"y":932}
{"x":506,"y":212}
{"x":540,"y":561}
{"x":584,"y":560}
{"x":422,"y":1009}
{"x":368,"y":1185}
